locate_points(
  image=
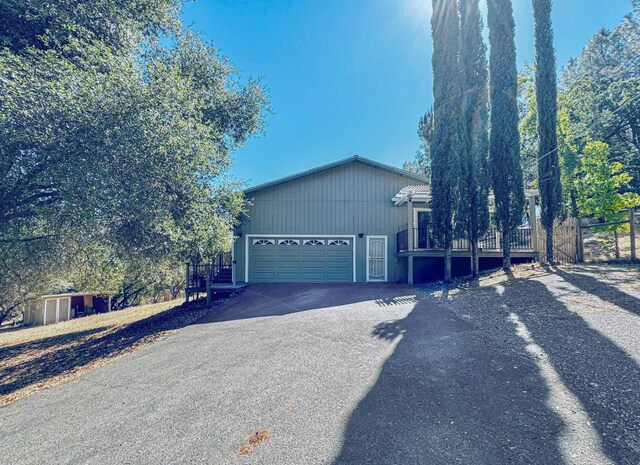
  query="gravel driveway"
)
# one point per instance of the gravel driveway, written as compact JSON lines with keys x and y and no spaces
{"x":542,"y":370}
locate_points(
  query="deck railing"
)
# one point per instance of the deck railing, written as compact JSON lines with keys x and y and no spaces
{"x":220,"y":272}
{"x":402,"y":240}
{"x":491,"y":241}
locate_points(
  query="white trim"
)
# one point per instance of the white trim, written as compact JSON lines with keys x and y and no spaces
{"x":415,"y":214}
{"x":264,"y":242}
{"x":284,"y":241}
{"x":320,"y":242}
{"x":386,"y":259}
{"x":320,"y":236}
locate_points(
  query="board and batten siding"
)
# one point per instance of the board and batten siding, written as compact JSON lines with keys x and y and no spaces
{"x":349,"y":199}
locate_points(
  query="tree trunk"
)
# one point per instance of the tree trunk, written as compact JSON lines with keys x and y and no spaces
{"x":615,"y":235}
{"x":447,"y":264}
{"x":506,"y":250}
{"x":475,"y":261}
{"x":550,"y":245}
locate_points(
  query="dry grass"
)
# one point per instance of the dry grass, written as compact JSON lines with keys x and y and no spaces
{"x":11,"y":337}
{"x":254,"y":440}
{"x":601,"y":246}
{"x":36,"y":358}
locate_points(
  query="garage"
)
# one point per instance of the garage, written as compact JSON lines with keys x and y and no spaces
{"x":296,"y":259}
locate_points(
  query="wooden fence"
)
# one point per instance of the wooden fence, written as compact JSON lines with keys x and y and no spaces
{"x":568,"y":246}
{"x":567,"y":239}
{"x":631,"y":221}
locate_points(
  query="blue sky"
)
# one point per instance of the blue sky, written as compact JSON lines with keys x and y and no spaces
{"x":353,"y":76}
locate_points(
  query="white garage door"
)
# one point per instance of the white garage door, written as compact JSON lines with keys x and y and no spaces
{"x":300,"y":259}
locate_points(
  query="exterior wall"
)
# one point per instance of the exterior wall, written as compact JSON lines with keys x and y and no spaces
{"x":53,"y":306}
{"x":38,"y":314}
{"x":349,"y":199}
{"x":29,"y":316}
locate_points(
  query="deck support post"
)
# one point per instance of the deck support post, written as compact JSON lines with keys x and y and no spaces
{"x":632,"y":232}
{"x":533,"y":224}
{"x":186,"y":284}
{"x":410,"y":239}
{"x":208,"y":269}
{"x":233,"y":273}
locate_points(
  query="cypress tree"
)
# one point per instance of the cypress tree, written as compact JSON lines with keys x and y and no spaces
{"x":547,"y":102}
{"x":474,"y":190}
{"x":504,"y":138}
{"x":446,"y":143}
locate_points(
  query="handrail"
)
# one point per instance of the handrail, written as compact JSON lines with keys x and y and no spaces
{"x":521,"y":239}
{"x":219,"y":272}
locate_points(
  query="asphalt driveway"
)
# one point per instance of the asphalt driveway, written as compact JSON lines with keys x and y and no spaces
{"x":341,"y":374}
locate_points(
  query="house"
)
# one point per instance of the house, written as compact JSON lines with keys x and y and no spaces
{"x":355,"y":220}
{"x":54,"y":308}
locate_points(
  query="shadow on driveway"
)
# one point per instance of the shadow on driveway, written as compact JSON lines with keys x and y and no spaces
{"x":602,"y":289}
{"x":445,"y":397}
{"x":464,"y":388}
{"x":604,"y":378}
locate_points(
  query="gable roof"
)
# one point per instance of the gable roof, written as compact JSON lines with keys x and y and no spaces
{"x":353,"y":159}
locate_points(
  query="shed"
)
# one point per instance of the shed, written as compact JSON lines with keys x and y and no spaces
{"x":54,"y":308}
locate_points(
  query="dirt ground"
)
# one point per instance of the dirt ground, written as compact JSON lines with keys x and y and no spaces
{"x":38,"y":357}
{"x":580,"y":326}
{"x":600,"y":246}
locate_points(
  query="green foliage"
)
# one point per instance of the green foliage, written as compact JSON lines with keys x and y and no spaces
{"x":114,"y":145}
{"x":598,"y":100}
{"x":569,"y":153}
{"x":549,"y":183}
{"x":602,"y":88}
{"x":26,"y":268}
{"x":475,"y":180}
{"x":119,"y":24}
{"x":528,"y":115}
{"x":569,"y":146}
{"x":504,"y":139}
{"x":447,"y":140}
{"x":599,"y":186}
{"x":421,"y":164}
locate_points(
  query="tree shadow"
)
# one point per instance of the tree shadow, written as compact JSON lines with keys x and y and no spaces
{"x":603,"y":290}
{"x":602,"y":376}
{"x":66,"y":353}
{"x":447,"y":396}
{"x":45,"y":343}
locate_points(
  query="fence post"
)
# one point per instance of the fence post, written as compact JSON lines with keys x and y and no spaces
{"x":580,"y":239}
{"x":632,"y":232}
{"x":533,"y":223}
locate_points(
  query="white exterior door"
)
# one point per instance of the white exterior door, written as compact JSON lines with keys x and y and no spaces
{"x":376,"y":258}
